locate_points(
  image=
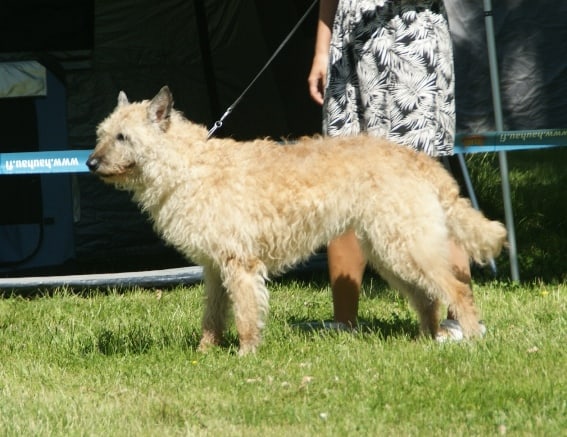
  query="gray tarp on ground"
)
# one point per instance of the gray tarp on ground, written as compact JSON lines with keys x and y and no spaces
{"x":140,"y":45}
{"x":22,"y":79}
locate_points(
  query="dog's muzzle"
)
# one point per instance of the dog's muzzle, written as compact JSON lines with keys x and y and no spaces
{"x":93,"y":163}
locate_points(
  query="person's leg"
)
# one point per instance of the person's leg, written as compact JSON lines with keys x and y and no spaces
{"x":346,"y":269}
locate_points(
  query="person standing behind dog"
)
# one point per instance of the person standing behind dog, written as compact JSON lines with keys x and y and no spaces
{"x":383,"y":67}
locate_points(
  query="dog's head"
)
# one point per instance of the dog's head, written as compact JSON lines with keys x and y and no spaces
{"x":122,"y":136}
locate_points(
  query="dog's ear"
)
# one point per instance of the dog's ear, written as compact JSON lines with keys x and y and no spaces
{"x":160,"y":108}
{"x":122,"y":99}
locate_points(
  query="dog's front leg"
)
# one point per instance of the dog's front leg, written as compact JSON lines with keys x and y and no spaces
{"x":245,"y":283}
{"x":216,"y":308}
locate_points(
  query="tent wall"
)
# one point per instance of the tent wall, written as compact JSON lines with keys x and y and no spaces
{"x":532,"y":55}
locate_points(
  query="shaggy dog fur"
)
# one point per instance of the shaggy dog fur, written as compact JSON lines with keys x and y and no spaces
{"x":246,"y":209}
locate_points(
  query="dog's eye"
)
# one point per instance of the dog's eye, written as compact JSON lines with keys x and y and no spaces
{"x":120,"y":137}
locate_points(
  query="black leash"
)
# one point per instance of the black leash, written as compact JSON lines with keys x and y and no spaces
{"x":218,"y":124}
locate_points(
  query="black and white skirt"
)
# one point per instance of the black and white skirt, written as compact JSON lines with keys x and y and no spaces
{"x":391,"y":74}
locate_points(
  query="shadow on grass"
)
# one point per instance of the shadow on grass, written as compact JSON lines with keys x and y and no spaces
{"x":136,"y":340}
{"x":394,"y":327}
{"x":139,"y":340}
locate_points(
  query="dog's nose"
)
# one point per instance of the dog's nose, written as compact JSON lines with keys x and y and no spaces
{"x":93,"y":163}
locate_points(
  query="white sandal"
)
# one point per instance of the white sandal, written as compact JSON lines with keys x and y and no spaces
{"x":452,"y":331}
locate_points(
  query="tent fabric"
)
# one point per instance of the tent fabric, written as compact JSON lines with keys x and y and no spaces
{"x":532,"y":56}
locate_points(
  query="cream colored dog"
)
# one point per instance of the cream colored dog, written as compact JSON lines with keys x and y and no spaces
{"x":244,"y":209}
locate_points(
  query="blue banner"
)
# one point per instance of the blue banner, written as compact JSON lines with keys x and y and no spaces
{"x":57,"y":161}
{"x":508,"y":141}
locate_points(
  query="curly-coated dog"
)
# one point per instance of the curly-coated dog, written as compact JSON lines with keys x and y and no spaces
{"x":246,"y":209}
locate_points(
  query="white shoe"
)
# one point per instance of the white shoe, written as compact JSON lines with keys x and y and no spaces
{"x":325,"y":326}
{"x":482,"y":328}
{"x":452,"y":331}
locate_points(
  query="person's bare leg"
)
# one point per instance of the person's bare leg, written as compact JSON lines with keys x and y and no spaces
{"x":346,"y":269}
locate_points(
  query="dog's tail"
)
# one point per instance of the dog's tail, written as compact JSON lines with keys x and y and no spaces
{"x":481,"y":238}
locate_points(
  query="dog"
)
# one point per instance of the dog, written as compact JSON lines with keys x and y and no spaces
{"x":244,"y":210}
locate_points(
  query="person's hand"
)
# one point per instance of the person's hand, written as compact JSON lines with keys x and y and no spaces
{"x":318,"y":77}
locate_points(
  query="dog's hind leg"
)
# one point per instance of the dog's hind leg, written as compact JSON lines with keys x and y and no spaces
{"x":427,"y":309}
{"x":216,"y":308}
{"x":442,"y":286}
{"x":426,"y":306}
{"x":245,"y":283}
{"x":418,"y":265}
{"x":461,"y":306}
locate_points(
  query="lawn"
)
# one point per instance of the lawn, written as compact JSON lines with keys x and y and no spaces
{"x":121,"y":364}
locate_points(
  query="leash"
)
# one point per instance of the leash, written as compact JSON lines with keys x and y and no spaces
{"x":218,"y":124}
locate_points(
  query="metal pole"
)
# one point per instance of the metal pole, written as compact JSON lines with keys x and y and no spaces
{"x":502,"y":158}
{"x":472,"y":197}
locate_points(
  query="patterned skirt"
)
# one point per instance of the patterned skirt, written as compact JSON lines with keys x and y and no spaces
{"x":391,"y":74}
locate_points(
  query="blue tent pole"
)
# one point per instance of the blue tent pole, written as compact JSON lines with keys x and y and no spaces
{"x":503,"y":160}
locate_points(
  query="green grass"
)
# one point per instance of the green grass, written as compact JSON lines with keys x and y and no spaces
{"x":126,"y":364}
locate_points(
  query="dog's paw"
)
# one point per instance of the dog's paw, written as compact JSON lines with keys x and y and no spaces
{"x":204,"y":347}
{"x":208,"y":341}
{"x":247,"y":349}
